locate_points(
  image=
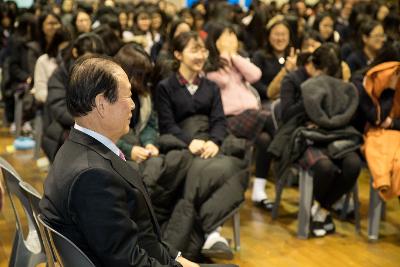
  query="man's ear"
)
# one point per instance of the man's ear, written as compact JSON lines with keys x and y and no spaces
{"x":100,"y":105}
{"x":178,"y":55}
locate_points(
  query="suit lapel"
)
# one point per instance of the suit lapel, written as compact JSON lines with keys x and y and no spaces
{"x":128,"y":174}
{"x":120,"y":166}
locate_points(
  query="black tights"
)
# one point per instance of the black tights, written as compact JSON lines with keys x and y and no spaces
{"x":334,"y":178}
{"x":262,"y":159}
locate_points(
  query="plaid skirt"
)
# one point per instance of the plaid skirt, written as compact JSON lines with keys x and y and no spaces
{"x":248,"y":124}
{"x":311,"y":156}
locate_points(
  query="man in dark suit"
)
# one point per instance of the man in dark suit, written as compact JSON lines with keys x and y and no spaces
{"x":91,"y":195}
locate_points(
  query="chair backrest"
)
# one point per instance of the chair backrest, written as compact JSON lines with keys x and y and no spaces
{"x":34,"y":199}
{"x":276,"y":113}
{"x":66,"y":252}
{"x":11,"y":182}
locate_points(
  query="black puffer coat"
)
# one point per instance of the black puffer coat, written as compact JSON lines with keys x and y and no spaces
{"x":57,"y":120}
{"x":193,"y":196}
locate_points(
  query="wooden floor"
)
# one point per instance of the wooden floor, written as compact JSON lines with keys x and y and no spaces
{"x":263,"y":242}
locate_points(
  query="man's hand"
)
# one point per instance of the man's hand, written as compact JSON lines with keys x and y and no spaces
{"x":153,"y":150}
{"x":186,"y":263}
{"x":139,"y":154}
{"x":210,"y":149}
{"x":196,"y":146}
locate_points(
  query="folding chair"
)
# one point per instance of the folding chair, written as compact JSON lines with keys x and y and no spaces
{"x":29,"y":251}
{"x":235,"y":215}
{"x":34,"y":199}
{"x":66,"y":252}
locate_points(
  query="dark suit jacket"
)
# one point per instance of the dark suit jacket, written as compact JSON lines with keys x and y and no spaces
{"x":99,"y":202}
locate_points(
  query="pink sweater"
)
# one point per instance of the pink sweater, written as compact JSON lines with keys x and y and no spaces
{"x":236,"y":96}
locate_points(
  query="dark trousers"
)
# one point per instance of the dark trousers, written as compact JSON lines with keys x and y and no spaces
{"x":262,"y":142}
{"x":334,"y":178}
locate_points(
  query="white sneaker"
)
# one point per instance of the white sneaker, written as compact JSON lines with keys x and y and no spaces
{"x":213,"y":238}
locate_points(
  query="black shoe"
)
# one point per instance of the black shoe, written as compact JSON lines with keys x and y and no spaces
{"x":264,"y":204}
{"x":219,"y":250}
{"x":329,"y":225}
{"x":317,"y":229}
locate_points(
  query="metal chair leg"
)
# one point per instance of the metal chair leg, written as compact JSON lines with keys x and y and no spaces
{"x":357,"y":218}
{"x":279,"y":185}
{"x":236,"y":230}
{"x":38,"y":134}
{"x":345,"y":208}
{"x":374,"y":213}
{"x":18,"y":112}
{"x":306,"y":196}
